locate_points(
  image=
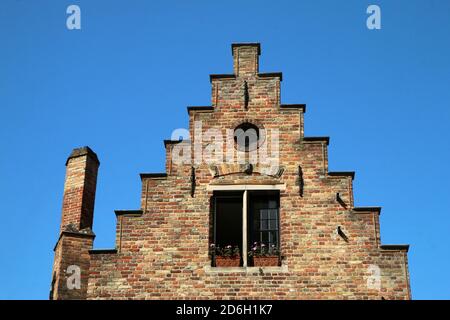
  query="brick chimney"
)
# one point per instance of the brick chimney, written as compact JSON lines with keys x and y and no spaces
{"x":72,"y":259}
{"x":79,"y":190}
{"x":246,"y":58}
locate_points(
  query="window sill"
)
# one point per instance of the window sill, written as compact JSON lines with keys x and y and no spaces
{"x":246,"y":270}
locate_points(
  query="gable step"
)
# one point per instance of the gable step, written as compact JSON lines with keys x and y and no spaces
{"x":317,"y":139}
{"x":301,"y":106}
{"x":102,"y":251}
{"x":395,"y":247}
{"x":131,"y":213}
{"x":342,"y":174}
{"x":153,"y":175}
{"x":367,"y":209}
{"x":200,"y":108}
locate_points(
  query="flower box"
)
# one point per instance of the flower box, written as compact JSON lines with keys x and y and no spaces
{"x":228,"y":261}
{"x":266,"y":261}
{"x":227,"y":256}
{"x":264,"y":255}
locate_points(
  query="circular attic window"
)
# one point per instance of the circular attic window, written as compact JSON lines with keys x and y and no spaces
{"x":246,"y":137}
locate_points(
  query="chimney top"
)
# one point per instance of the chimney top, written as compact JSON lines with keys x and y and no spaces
{"x":247,"y":44}
{"x":83,"y":151}
{"x":246,"y":59}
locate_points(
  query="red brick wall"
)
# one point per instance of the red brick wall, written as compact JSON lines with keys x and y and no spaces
{"x":72,"y":249}
{"x":163,"y":252}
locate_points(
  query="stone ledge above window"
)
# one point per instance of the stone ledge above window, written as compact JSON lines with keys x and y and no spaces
{"x":246,"y":270}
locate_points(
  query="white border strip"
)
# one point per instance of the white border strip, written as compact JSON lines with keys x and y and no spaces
{"x":236,"y":187}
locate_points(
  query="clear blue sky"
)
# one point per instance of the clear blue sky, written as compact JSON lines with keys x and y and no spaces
{"x":122,"y":84}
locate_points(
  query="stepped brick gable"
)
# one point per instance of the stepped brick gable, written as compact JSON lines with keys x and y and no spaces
{"x":218,"y":190}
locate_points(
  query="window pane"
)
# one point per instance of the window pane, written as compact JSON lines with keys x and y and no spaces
{"x":273,"y":213}
{"x":227,"y":220}
{"x":270,"y":238}
{"x":272,"y":204}
{"x":273,"y":225}
{"x":256,"y":225}
{"x":264,"y":214}
{"x":275,"y":238}
{"x":264,"y":237}
{"x":264,"y":224}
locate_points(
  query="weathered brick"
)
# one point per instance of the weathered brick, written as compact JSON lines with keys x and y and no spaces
{"x":162,"y":248}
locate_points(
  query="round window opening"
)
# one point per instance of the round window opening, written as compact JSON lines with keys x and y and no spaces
{"x":247,"y":137}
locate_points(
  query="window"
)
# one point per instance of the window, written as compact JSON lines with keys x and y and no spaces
{"x":246,"y":137}
{"x":260,"y":212}
{"x":264,"y":214}
{"x":228,"y":220}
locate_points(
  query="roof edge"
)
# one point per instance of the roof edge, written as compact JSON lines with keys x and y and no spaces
{"x":168,"y":141}
{"x":301,"y":106}
{"x":102,"y":251}
{"x":128,"y":212}
{"x":153,"y":175}
{"x":367,"y":209}
{"x":317,"y":139}
{"x":221,"y":76}
{"x":342,"y":174}
{"x":199,"y":108}
{"x":246,"y":44}
{"x":271,"y":75}
{"x":395,"y":247}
